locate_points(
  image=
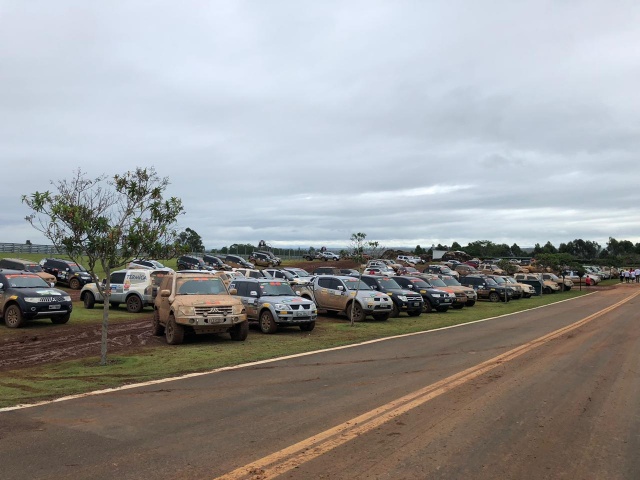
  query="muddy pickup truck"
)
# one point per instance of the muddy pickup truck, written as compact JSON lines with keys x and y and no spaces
{"x":348,"y":295}
{"x":199,"y":302}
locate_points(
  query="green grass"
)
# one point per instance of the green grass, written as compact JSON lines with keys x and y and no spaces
{"x":27,"y":385}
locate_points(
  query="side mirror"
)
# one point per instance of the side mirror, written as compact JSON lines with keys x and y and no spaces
{"x":340,"y":287}
{"x":233,"y":291}
{"x":298,"y":292}
{"x":2,"y":286}
{"x":253,"y":293}
{"x":165,"y":293}
{"x":52,"y":284}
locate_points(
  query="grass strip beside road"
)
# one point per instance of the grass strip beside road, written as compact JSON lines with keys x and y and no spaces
{"x":203,"y":353}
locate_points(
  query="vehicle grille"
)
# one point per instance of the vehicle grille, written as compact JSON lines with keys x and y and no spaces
{"x":300,"y":306}
{"x":414,"y":298}
{"x":202,"y":311}
{"x":49,"y":299}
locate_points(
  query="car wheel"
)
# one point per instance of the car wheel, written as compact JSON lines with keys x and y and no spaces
{"x":174,"y":333}
{"x":61,"y":320}
{"x":307,"y":327}
{"x":470,"y":303}
{"x":355,"y":312}
{"x":457,"y":306}
{"x":74,"y":284}
{"x":381,"y":317}
{"x":134,"y":304}
{"x":267,"y":324}
{"x":494,"y":297}
{"x":89,"y":300}
{"x":395,"y":311}
{"x":157,"y":328}
{"x":414,"y":313}
{"x":427,"y":308}
{"x":239,"y":332}
{"x":13,"y":317}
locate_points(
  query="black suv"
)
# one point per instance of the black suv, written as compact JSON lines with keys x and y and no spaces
{"x":189,"y":262}
{"x":403,"y":300}
{"x":215,"y":262}
{"x":434,"y":299}
{"x":25,"y":296}
{"x":66,"y":272}
{"x":487,"y":288}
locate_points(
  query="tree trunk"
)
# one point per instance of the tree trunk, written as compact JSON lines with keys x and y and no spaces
{"x":105,"y":318}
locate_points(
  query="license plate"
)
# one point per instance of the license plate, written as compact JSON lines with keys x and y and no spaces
{"x":216,"y":320}
{"x":415,"y":304}
{"x":301,"y":314}
{"x":54,"y":307}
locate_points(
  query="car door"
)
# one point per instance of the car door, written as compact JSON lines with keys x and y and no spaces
{"x":249,"y":301}
{"x":117,"y":287}
{"x":324,"y":292}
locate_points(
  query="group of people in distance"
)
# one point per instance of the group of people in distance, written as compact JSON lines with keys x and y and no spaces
{"x":630,"y":275}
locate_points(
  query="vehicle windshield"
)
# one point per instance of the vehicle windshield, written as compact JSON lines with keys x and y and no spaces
{"x":33,"y":267}
{"x":302,"y":273}
{"x":74,"y":267}
{"x":275,"y":288}
{"x":499,"y":280}
{"x":490,"y":281}
{"x":200,"y":286}
{"x":451,"y":282}
{"x":388,"y":283}
{"x":156,"y":278}
{"x":419,"y":283}
{"x":25,"y":281}
{"x":356,"y":284}
{"x":436,"y":282}
{"x":554,"y":277}
{"x":511,"y":280}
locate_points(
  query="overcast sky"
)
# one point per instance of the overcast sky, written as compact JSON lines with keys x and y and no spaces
{"x":302,"y":122}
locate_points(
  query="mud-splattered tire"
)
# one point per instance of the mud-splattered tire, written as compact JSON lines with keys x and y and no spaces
{"x":157,"y":329}
{"x":267,"y":324}
{"x":88,"y":300}
{"x":307,"y":327}
{"x":74,"y":284}
{"x":61,"y":320}
{"x":354,"y":311}
{"x":13,"y":317}
{"x":134,"y":304}
{"x":427,"y":308}
{"x":395,"y":311}
{"x":174,"y":333}
{"x":381,"y":317}
{"x":239,"y":332}
{"x":470,"y":303}
{"x":494,"y":297}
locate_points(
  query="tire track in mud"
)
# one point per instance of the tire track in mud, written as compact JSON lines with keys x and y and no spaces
{"x":37,"y":348}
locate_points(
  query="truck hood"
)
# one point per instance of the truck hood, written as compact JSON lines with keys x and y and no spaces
{"x":286,"y":299}
{"x":204,"y":300}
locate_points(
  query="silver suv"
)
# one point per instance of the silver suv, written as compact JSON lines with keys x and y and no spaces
{"x":272,"y":303}
{"x":136,"y":288}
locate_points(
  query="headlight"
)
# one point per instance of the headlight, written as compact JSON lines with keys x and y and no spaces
{"x":67,"y":298}
{"x":281,"y":306}
{"x":238,"y":309}
{"x":32,"y":299}
{"x":436,"y":295}
{"x":402,"y":298}
{"x":186,"y":310}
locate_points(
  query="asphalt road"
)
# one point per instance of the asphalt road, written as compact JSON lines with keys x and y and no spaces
{"x":504,"y":398}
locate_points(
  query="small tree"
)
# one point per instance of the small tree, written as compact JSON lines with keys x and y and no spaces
{"x":191,"y":241}
{"x":109,"y":222}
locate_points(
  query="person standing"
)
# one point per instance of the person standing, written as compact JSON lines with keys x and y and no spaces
{"x":632,"y":275}
{"x":626,"y":275}
{"x":637,"y":274}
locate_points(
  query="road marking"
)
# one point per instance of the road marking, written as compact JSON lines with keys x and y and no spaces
{"x":295,"y":455}
{"x":270,"y":360}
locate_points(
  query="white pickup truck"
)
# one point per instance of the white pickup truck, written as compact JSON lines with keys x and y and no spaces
{"x":348,"y":295}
